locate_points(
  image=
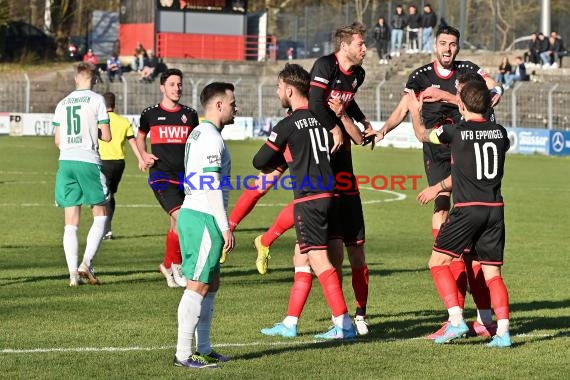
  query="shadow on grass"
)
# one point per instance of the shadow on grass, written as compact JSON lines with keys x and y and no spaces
{"x":296,"y":347}
{"x":65,"y":277}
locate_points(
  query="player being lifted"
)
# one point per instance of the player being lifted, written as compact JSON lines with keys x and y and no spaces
{"x":305,"y":144}
{"x":435,"y":84}
{"x":335,"y":78}
{"x":476,"y":223}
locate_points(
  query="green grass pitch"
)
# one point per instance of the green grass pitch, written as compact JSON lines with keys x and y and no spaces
{"x":126,"y":328}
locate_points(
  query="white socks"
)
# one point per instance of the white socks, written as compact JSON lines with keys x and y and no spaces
{"x":94,"y":239}
{"x":204,"y":326}
{"x":455,"y":315}
{"x":343,"y":321}
{"x":189,"y":310}
{"x":290,"y":321}
{"x":70,"y":248}
{"x":502,"y":326}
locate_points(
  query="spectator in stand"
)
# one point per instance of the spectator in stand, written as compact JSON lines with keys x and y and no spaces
{"x":543,"y":49}
{"x":140,"y":58}
{"x":91,"y":58}
{"x":166,"y":4}
{"x":414,"y":25}
{"x":399,"y":23}
{"x":382,"y":38}
{"x":429,"y":21}
{"x":556,"y":49}
{"x":531,"y":55}
{"x":504,"y":69}
{"x":519,"y":74}
{"x":147,"y":74}
{"x":114,"y":67}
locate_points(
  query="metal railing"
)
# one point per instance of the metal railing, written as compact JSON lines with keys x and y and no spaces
{"x":528,"y":104}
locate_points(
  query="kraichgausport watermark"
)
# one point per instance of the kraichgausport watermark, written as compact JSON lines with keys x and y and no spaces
{"x":342,"y":181}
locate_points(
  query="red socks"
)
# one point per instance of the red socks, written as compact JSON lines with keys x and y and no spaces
{"x":457,"y":268}
{"x":445,"y":284}
{"x":285,"y":220}
{"x":478,"y":286}
{"x":333,"y":292}
{"x":360,"y":287}
{"x":245,"y":203}
{"x":172,"y":254}
{"x":302,"y":283}
{"x":499,"y":296}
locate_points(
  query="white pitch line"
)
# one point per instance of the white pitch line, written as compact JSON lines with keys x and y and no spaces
{"x":397,"y":197}
{"x":251,"y":344}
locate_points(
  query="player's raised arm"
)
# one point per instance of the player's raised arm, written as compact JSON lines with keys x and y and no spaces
{"x":422,"y":133}
{"x":397,"y":116}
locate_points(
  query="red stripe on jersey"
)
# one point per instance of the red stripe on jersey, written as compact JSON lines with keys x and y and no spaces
{"x":308,"y":248}
{"x":313,"y":83}
{"x":312,"y":197}
{"x":346,"y":72}
{"x":176,"y":208}
{"x":169,"y":134}
{"x":175,"y":109}
{"x":491,"y":262}
{"x":446,"y":252}
{"x":172,"y":181}
{"x":489,"y":204}
{"x":272,"y":146}
{"x":287,"y":154}
{"x":436,"y":65}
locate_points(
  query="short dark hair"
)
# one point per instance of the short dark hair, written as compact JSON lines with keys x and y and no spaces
{"x":296,"y":76}
{"x":448,"y":30}
{"x":476,"y":97}
{"x":345,"y":33}
{"x":109,"y":99}
{"x":214,"y":89}
{"x":467,"y":77}
{"x":168,"y":73}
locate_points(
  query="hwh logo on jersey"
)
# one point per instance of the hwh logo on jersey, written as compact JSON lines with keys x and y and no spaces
{"x":342,"y":95}
{"x":161,"y":134}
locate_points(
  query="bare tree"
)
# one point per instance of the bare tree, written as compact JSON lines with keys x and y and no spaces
{"x":360,"y":7}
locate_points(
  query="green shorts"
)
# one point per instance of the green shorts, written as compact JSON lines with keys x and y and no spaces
{"x":80,"y":183}
{"x":201,"y":243}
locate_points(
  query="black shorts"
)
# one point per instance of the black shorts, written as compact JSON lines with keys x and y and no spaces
{"x":437,"y":162}
{"x":170,"y":198}
{"x":113,"y":171}
{"x":479,"y":229}
{"x":311,"y":222}
{"x":346,"y":219}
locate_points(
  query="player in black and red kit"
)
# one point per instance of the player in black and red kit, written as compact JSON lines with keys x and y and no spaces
{"x":435,"y":85}
{"x":169,"y":124}
{"x":478,"y":150}
{"x":305,"y":144}
{"x":337,"y":77}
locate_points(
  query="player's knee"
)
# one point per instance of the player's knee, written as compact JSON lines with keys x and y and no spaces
{"x":441,"y":203}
